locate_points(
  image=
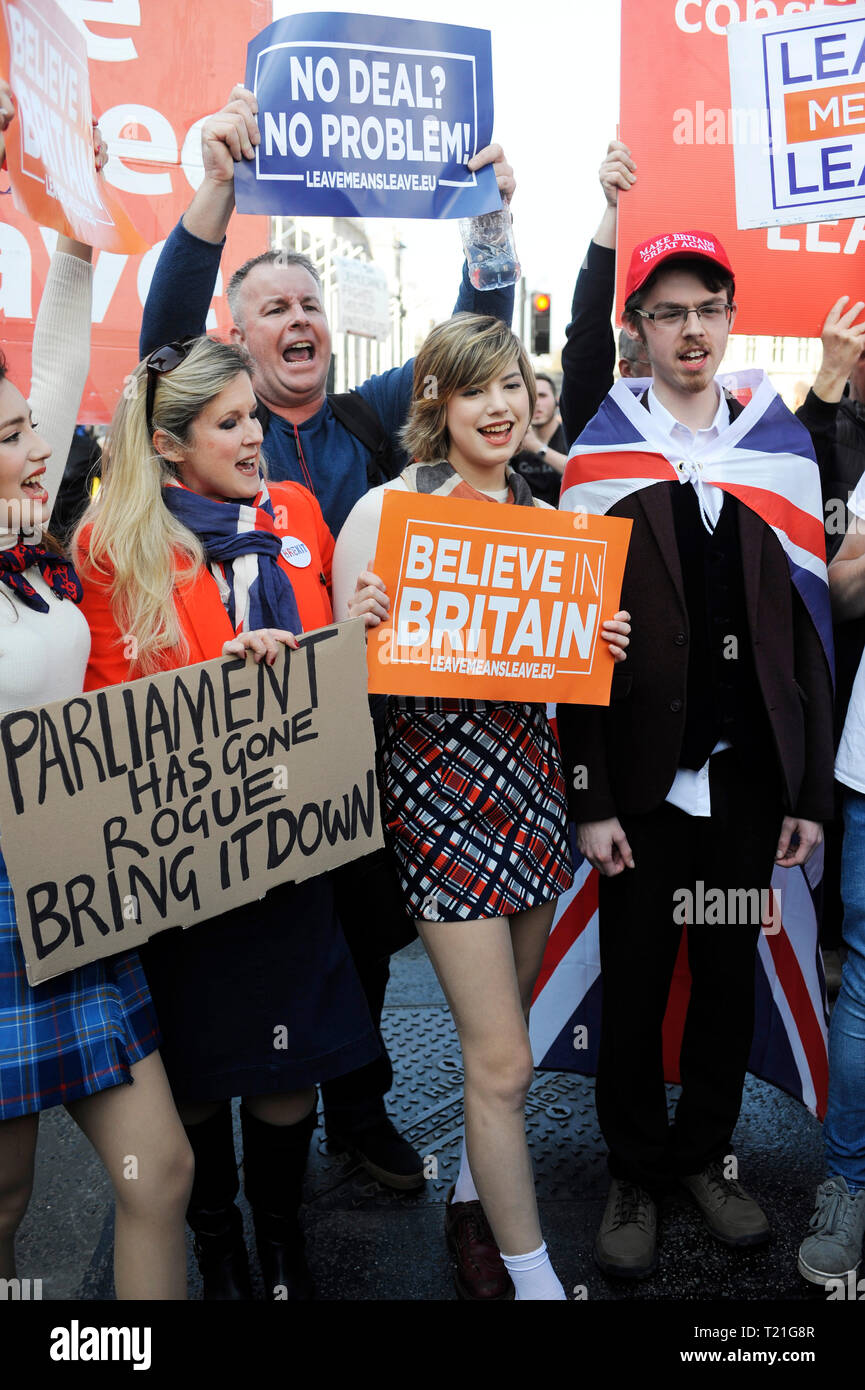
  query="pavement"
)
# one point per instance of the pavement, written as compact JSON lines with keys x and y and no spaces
{"x":368,"y":1243}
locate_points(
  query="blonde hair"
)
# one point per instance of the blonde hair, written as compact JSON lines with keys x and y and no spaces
{"x":467,"y":350}
{"x":127,"y":533}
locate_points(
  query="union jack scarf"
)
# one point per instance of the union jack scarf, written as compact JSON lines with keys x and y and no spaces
{"x":764,"y":458}
{"x":242,"y":549}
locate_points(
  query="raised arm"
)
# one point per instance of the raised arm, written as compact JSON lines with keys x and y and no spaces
{"x":61,"y":335}
{"x":843,"y":342}
{"x":61,"y":354}
{"x":183,"y":282}
{"x":61,"y":345}
{"x":589,"y":354}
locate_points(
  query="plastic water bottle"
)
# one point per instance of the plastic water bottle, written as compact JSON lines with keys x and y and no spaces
{"x":488,"y":242}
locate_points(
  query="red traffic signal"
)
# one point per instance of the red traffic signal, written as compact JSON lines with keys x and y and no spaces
{"x":540,"y":325}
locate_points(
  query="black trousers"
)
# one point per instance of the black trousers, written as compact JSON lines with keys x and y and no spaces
{"x":676,"y":853}
{"x":360,"y":1094}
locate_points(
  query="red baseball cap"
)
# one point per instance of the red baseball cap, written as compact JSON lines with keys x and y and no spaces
{"x":651,"y":254}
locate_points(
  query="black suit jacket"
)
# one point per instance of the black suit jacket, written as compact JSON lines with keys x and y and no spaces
{"x":630,"y":750}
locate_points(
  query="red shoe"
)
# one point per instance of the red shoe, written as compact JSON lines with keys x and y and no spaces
{"x":479,"y":1271}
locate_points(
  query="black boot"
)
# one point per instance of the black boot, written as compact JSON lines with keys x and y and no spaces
{"x":215,"y":1220}
{"x":274,"y":1162}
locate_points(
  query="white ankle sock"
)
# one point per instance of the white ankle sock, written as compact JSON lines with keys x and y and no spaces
{"x":534,"y":1276}
{"x":465,"y":1190}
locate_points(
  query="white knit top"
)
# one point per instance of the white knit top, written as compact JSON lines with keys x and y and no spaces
{"x":43,"y":656}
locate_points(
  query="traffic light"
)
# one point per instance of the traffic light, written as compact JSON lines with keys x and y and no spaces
{"x":540,"y":334}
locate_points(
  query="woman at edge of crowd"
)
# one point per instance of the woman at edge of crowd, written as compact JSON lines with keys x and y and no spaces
{"x":467,"y":784}
{"x":87,"y":1039}
{"x":182,"y":560}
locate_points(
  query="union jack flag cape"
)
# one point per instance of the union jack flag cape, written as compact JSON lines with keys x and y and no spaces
{"x":765,"y":459}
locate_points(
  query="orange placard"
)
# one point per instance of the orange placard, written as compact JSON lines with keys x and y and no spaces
{"x":501,"y":603}
{"x":49,"y":147}
{"x":676,"y":116}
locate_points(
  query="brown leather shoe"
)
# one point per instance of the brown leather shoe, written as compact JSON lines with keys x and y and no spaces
{"x":479,"y":1271}
{"x":730,"y":1212}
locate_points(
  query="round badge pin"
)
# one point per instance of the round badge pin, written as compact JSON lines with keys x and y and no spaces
{"x":296,"y":552}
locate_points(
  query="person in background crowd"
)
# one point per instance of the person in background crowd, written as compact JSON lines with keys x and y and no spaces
{"x":79,"y":476}
{"x":833,"y":412}
{"x":632,"y":357}
{"x":543,"y":455}
{"x":833,"y":1249}
{"x":174,"y":574}
{"x":474,"y":800}
{"x":87,"y":1039}
{"x":703,"y":770}
{"x":337,"y":446}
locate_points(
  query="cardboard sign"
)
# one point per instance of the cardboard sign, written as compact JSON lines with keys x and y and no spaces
{"x":150,"y":112}
{"x":495,"y":604}
{"x":680,"y":122}
{"x":168,"y":800}
{"x":807,"y":82}
{"x":362,"y":116}
{"x":49,"y":146}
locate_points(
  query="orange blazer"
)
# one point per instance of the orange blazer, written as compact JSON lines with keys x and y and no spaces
{"x":203,"y":618}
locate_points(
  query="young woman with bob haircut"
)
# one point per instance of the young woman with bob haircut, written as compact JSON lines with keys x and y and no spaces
{"x":185,"y":555}
{"x":474,"y":802}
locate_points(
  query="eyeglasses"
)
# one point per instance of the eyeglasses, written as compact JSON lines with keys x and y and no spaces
{"x":676,"y":315}
{"x":159,"y":363}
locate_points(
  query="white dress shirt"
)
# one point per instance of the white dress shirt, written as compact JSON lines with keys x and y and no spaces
{"x":690,"y":789}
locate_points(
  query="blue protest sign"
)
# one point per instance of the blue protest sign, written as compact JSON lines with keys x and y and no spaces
{"x":362,"y":116}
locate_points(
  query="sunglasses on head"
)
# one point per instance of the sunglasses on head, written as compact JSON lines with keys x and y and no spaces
{"x":160,"y":363}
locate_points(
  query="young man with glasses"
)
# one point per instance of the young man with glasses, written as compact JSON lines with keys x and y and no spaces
{"x":713,"y":761}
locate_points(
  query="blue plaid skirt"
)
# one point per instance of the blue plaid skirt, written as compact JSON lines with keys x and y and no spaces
{"x":73,"y":1035}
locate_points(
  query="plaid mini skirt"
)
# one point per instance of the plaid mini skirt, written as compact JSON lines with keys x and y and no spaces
{"x":475,"y":807}
{"x":71,"y":1036}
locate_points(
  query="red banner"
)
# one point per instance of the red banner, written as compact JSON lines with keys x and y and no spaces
{"x":676,"y":117}
{"x":158,"y":68}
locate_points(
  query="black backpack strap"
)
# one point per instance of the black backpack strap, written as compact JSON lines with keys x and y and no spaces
{"x":262,"y":413}
{"x":357,"y":415}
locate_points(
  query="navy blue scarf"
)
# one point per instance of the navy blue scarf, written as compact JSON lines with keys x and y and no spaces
{"x":242,"y":537}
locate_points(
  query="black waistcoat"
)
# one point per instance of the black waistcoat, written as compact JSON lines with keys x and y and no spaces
{"x":723,"y":698}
